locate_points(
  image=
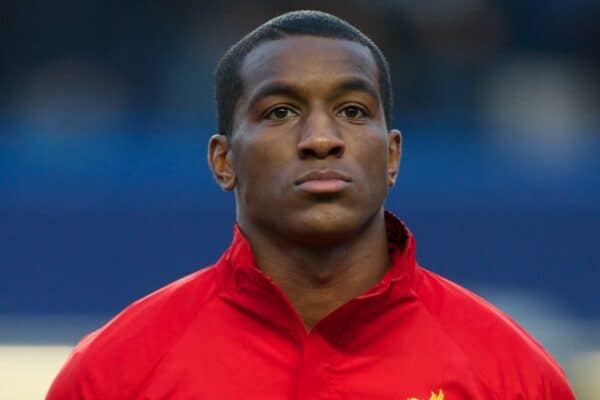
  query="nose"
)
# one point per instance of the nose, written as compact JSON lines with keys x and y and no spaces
{"x":320,"y":138}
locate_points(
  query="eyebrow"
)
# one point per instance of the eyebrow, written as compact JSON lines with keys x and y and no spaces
{"x":289,"y":90}
{"x":356,"y":85}
{"x":274,"y":89}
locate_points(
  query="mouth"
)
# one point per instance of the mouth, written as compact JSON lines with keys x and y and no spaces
{"x":323,"y":181}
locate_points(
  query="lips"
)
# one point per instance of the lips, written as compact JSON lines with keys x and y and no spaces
{"x":323,"y":181}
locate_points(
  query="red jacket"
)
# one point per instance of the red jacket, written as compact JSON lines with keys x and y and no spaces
{"x":227,"y":332}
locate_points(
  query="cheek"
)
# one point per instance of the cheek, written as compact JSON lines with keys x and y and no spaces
{"x":373,"y":158}
{"x":260,"y":167}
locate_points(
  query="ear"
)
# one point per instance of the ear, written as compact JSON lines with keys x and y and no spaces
{"x":219,"y":159}
{"x":394,"y":155}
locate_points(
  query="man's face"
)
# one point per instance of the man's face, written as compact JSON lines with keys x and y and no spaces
{"x":310,"y":153}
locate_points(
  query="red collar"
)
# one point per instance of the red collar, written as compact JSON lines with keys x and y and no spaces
{"x":248,"y":287}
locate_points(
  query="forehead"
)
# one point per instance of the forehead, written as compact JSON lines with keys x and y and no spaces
{"x":306,"y":59}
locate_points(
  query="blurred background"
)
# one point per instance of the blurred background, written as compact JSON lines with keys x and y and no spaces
{"x":105,"y":194}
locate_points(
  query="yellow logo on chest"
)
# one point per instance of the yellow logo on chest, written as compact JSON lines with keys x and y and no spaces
{"x":434,"y":396}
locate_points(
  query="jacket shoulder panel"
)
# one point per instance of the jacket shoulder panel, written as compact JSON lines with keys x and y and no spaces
{"x":507,"y":358}
{"x":113,"y":361}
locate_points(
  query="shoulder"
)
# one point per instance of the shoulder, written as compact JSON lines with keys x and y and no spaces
{"x":505,"y":355}
{"x":112,"y":361}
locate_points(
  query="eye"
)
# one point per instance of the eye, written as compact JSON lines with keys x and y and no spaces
{"x":280,"y":113}
{"x":352,"y":112}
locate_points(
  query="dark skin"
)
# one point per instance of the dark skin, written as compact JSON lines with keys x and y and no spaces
{"x":311,"y":161}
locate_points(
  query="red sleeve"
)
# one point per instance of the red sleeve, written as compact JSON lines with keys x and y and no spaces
{"x":73,"y":382}
{"x":113,"y":362}
{"x":555,"y":386}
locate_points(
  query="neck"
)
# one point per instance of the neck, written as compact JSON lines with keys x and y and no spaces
{"x":319,"y":279}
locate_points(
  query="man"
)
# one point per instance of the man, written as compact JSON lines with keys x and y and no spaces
{"x":319,"y":296}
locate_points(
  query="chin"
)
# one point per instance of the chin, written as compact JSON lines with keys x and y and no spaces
{"x":327,"y":225}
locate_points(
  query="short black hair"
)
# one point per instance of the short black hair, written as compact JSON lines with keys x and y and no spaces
{"x":228,"y":82}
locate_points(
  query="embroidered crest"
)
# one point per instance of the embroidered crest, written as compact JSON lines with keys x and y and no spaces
{"x":434,"y":396}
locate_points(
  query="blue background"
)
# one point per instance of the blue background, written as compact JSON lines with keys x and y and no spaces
{"x":106,"y":109}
